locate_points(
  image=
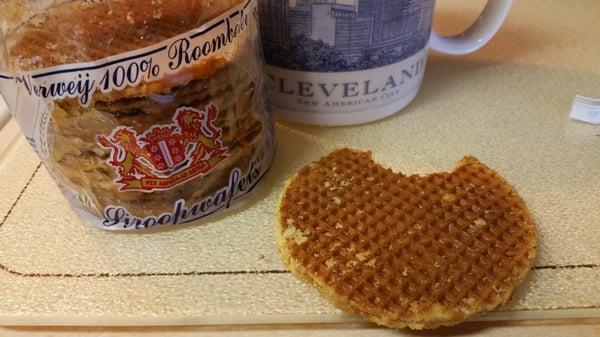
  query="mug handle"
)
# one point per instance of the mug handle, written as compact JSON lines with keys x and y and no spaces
{"x":476,"y":36}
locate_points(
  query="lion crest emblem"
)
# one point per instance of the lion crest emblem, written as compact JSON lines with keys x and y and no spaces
{"x":166,"y":156}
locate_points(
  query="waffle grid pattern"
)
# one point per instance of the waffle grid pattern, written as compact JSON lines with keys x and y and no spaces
{"x":406,"y":250}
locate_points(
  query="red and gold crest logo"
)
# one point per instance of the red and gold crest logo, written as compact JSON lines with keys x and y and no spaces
{"x":166,"y":156}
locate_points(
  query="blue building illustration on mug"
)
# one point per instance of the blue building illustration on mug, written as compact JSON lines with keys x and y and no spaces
{"x":343,"y":35}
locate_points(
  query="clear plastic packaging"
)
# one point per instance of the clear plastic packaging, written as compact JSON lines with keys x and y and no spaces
{"x":146,"y":113}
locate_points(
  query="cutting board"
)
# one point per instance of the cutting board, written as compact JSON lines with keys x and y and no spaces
{"x":507,"y":105}
{"x":54,"y":269}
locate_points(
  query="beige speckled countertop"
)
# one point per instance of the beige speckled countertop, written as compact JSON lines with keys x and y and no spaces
{"x":508,"y":104}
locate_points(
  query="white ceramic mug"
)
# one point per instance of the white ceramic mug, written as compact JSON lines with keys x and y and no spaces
{"x":345,"y":62}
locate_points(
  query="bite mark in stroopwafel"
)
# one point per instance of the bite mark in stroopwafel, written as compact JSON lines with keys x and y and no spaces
{"x":405,"y":251}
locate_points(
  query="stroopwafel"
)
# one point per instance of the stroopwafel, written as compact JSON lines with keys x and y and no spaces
{"x":405,"y":251}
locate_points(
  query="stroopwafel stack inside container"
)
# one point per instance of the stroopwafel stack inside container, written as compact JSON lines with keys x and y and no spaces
{"x":145,"y":113}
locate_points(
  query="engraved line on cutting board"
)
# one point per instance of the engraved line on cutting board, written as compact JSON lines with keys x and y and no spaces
{"x":14,"y":204}
{"x":191,"y":273}
{"x":202,"y":273}
{"x":572,"y":266}
{"x":551,"y":308}
{"x":143,"y":274}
